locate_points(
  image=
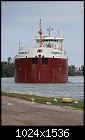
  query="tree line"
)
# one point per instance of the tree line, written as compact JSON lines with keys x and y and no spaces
{"x":8,"y":70}
{"x":74,"y":71}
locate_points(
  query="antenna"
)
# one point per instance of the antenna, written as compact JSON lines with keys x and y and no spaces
{"x":19,"y":46}
{"x":49,"y":30}
{"x":40,"y":25}
{"x":58,"y":32}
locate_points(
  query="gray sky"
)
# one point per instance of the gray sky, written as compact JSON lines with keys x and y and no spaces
{"x":20,"y":22}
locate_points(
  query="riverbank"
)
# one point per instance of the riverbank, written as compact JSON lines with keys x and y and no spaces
{"x":18,"y":112}
{"x":77,"y":103}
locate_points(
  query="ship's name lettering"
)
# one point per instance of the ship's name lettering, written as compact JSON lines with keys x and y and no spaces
{"x":23,"y":52}
{"x":56,"y":52}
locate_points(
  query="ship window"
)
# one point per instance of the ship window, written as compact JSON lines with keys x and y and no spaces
{"x":44,"y":61}
{"x":34,"y":60}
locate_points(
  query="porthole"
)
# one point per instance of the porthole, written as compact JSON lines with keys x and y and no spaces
{"x":39,"y":55}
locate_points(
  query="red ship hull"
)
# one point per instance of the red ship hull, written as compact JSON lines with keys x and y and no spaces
{"x":53,"y":70}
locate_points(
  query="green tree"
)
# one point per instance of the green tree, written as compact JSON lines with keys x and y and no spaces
{"x":7,"y":70}
{"x":71,"y":70}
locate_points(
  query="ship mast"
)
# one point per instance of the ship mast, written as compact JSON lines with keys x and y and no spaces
{"x":40,"y":35}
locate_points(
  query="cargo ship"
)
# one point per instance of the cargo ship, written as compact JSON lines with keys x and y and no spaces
{"x":46,"y":63}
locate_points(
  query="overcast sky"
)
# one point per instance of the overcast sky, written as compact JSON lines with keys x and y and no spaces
{"x":20,"y":22}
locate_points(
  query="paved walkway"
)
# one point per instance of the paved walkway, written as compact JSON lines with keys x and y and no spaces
{"x":20,"y":112}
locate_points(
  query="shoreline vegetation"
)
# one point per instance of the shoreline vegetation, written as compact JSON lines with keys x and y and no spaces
{"x":76,"y":103}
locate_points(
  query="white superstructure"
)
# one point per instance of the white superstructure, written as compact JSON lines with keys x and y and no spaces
{"x":51,"y":48}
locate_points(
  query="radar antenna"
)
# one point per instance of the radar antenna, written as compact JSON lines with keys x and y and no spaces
{"x":49,"y":30}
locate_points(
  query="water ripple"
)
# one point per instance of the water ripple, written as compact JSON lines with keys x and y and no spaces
{"x":74,"y":88}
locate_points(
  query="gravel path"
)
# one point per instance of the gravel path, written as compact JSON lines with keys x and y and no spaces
{"x":20,"y":112}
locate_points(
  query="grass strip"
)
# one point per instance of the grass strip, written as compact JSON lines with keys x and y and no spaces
{"x":45,"y":100}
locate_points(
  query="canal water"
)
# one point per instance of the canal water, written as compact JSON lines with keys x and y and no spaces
{"x":74,"y":88}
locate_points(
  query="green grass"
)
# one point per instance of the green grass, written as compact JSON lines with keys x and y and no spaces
{"x":43,"y":99}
